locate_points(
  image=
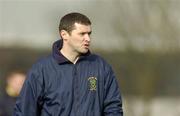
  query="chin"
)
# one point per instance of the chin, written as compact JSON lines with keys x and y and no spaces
{"x":84,"y":51}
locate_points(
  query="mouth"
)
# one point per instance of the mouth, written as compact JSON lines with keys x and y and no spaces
{"x":86,"y":45}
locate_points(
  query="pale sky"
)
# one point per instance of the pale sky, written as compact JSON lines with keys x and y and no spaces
{"x":34,"y":24}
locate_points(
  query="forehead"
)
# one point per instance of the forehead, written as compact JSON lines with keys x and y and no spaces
{"x":81,"y":27}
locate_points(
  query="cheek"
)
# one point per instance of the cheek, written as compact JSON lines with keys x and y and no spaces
{"x":73,"y":42}
{"x":77,"y":40}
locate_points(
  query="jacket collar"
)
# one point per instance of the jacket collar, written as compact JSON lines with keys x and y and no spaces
{"x":57,"y":45}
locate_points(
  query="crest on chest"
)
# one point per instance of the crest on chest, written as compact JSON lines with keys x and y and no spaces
{"x":92,"y":81}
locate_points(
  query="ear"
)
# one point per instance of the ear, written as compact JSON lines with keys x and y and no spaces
{"x":64,"y":34}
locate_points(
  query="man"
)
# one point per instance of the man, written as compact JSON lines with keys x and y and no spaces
{"x":71,"y":81}
{"x":14,"y":82}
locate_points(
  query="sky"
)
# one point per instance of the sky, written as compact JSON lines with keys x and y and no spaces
{"x":116,"y":24}
{"x":34,"y":24}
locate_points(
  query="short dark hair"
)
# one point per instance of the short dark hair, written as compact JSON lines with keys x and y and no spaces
{"x":67,"y":22}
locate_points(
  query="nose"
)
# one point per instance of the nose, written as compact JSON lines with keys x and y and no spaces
{"x":87,"y":38}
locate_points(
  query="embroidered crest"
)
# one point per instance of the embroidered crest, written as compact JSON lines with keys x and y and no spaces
{"x":92,"y":83}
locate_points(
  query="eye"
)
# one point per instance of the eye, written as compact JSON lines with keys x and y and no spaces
{"x":82,"y":33}
{"x":89,"y":33}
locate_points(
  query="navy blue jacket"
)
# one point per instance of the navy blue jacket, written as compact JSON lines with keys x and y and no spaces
{"x":6,"y":104}
{"x":57,"y":87}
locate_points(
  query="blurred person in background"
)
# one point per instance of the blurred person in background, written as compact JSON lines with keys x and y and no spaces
{"x":71,"y":81}
{"x":14,"y":83}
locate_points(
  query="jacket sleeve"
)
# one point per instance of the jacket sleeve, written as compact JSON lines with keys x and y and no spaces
{"x":27,"y":103}
{"x":112,"y":97}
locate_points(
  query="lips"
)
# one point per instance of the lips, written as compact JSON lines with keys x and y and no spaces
{"x":86,"y":45}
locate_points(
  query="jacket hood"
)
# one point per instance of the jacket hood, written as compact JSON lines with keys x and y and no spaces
{"x":57,"y":45}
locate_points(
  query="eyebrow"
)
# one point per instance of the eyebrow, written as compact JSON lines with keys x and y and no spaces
{"x":86,"y":32}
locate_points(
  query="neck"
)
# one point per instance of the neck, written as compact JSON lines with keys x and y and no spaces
{"x":70,"y":55}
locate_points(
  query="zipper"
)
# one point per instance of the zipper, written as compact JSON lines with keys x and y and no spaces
{"x":76,"y":90}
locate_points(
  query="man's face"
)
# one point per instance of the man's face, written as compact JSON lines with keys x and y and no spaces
{"x":16,"y":81}
{"x":79,"y":38}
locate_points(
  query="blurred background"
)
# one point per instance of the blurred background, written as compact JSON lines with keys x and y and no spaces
{"x":140,"y":38}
